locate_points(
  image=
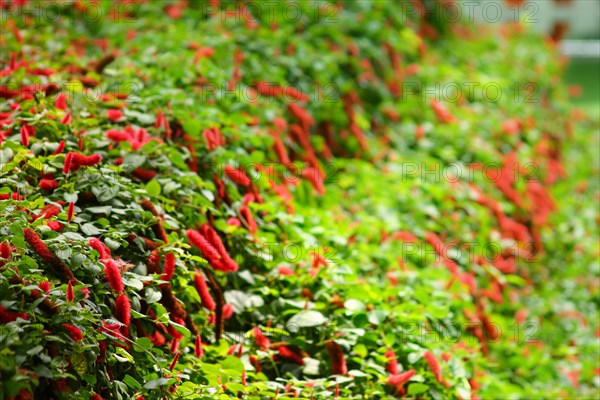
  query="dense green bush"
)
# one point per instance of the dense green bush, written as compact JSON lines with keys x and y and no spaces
{"x":201,"y":203}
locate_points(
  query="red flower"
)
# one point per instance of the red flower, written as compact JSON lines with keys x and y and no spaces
{"x":66,"y":119}
{"x":97,"y":245}
{"x":237,"y":176}
{"x":70,"y":211}
{"x":45,"y":286}
{"x":261,"y":340}
{"x":392,"y":364}
{"x":198,"y":351}
{"x":205,"y":297}
{"x":169,"y":267}
{"x":55,"y":225}
{"x":4,"y":252}
{"x":60,"y":148}
{"x":227,"y":311}
{"x":7,"y":316}
{"x":26,"y":131}
{"x":113,"y":275}
{"x":96,"y":396}
{"x":287,"y":271}
{"x":288,"y":354}
{"x":123,"y":310}
{"x":114,"y":115}
{"x":48,"y":184}
{"x":398,"y":380}
{"x":441,"y":112}
{"x":61,"y":101}
{"x":174,"y":362}
{"x":434,"y":366}
{"x":74,"y":331}
{"x":338,"y":362}
{"x":74,"y":161}
{"x":70,"y":293}
{"x":38,"y":245}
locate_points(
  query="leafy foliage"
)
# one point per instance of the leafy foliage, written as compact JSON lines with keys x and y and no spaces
{"x":206,"y":204}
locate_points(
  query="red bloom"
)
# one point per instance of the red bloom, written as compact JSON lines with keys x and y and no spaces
{"x":287,"y":271}
{"x":97,"y":245}
{"x":66,"y":119}
{"x":4,"y":252}
{"x":289,"y":355}
{"x":434,"y":365}
{"x":55,"y":225}
{"x":198,"y":351}
{"x":441,"y":112}
{"x":61,"y":101}
{"x":174,"y":362}
{"x":113,"y":275}
{"x":213,"y":138}
{"x":169,"y":267}
{"x":247,"y":215}
{"x":7,"y":316}
{"x":45,"y":286}
{"x":38,"y":245}
{"x":74,"y":331}
{"x":261,"y":340}
{"x":338,"y":362}
{"x":70,"y":293}
{"x":203,"y":245}
{"x":26,"y":131}
{"x":399,"y":380}
{"x":114,"y":115}
{"x":96,"y":396}
{"x":237,"y":176}
{"x":74,"y":161}
{"x":227,"y":311}
{"x":123,"y":310}
{"x":60,"y":148}
{"x":70,"y":211}
{"x":392,"y":364}
{"x":205,"y":297}
{"x":48,"y":184}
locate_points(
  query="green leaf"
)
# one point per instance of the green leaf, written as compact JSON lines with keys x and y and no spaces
{"x":305,"y":319}
{"x":153,"y":188}
{"x":416,"y":388}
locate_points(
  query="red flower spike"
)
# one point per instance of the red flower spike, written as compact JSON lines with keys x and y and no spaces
{"x":205,"y":297}
{"x":123,"y":311}
{"x":74,"y":331}
{"x":174,"y":362}
{"x":198,"y":351}
{"x":45,"y":286}
{"x":392,"y":364}
{"x":237,"y":176}
{"x":169,"y":267}
{"x":70,"y":211}
{"x":97,"y":245}
{"x":113,"y":275}
{"x":261,"y":340}
{"x":70,"y":293}
{"x":61,"y":102}
{"x":338,"y":361}
{"x":114,"y":115}
{"x":434,"y":365}
{"x":48,"y":185}
{"x":399,"y":380}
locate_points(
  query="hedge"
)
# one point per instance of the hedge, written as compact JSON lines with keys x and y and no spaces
{"x":207,"y":200}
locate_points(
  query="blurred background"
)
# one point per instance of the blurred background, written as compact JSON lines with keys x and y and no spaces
{"x":576,"y":23}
